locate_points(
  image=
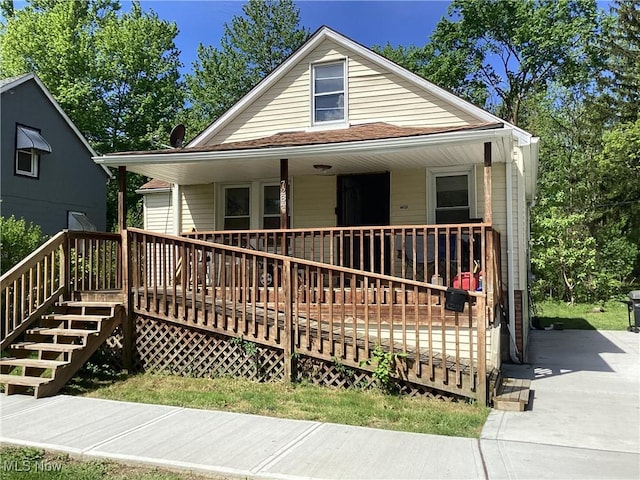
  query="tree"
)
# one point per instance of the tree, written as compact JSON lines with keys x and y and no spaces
{"x":115,"y":74}
{"x":582,"y":248}
{"x":514,"y":49}
{"x":620,"y":81}
{"x":17,"y":240}
{"x":252,"y":46}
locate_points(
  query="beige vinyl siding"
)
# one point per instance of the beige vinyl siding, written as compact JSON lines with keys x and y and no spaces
{"x":373,"y":95}
{"x":314,"y":201}
{"x":198,"y":207}
{"x":158,"y":212}
{"x":499,"y":205}
{"x":408,"y":197}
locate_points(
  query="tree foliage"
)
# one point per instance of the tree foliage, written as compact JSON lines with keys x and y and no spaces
{"x":501,"y":53}
{"x":620,"y":81}
{"x":252,"y":46}
{"x":17,"y":240}
{"x":114,"y":73}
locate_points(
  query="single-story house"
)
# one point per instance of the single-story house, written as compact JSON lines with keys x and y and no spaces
{"x":340,"y":139}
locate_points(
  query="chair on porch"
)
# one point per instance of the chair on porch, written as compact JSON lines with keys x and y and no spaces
{"x":429,"y":275}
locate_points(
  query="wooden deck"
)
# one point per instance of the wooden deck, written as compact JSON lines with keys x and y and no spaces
{"x":310,"y":302}
{"x":350,"y":340}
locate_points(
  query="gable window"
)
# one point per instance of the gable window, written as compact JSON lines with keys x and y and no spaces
{"x":329,"y":93}
{"x":452,"y":199}
{"x":29,"y":145}
{"x":237,"y":211}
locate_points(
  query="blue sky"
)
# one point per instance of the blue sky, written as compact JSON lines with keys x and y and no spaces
{"x":367,"y":22}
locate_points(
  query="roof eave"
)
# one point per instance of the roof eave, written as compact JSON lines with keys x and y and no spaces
{"x":387,"y":145}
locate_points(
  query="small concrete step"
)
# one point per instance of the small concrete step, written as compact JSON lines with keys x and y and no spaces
{"x":513,"y":394}
{"x":31,"y":363}
{"x":47,"y":347}
{"x":23,"y":381}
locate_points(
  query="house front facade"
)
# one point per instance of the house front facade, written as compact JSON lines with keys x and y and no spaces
{"x":339,"y":138}
{"x":47,"y":176}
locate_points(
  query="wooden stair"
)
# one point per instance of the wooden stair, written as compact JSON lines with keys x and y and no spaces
{"x":52,"y":352}
{"x":512,"y":394}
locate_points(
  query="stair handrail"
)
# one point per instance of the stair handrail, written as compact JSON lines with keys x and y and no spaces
{"x":18,"y":313}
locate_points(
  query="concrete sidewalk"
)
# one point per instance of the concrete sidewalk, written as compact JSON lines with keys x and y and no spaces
{"x":232,"y":444}
{"x":584,"y":423}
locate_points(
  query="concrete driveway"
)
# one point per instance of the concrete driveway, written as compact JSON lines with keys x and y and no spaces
{"x":583,"y":420}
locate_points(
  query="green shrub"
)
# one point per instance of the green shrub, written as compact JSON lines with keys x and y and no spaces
{"x":17,"y":240}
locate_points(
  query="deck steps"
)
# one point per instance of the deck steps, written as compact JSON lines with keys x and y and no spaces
{"x":513,"y":394}
{"x":32,"y":363}
{"x":62,"y":332}
{"x":57,"y":347}
{"x":46,"y":347}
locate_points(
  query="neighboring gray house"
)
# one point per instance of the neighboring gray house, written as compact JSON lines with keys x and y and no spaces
{"x":47,"y":175}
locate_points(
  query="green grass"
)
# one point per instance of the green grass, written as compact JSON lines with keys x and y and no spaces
{"x":368,"y":408}
{"x":611,"y":315}
{"x":26,"y":463}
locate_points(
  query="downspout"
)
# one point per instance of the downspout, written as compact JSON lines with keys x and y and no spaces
{"x":513,"y":349}
{"x":177,"y":208}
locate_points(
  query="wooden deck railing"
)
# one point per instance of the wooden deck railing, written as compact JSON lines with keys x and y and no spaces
{"x":68,"y":261}
{"x":310,"y":308}
{"x":439,"y":254}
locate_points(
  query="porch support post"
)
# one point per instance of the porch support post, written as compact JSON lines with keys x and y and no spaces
{"x":489,"y":278}
{"x":128,"y":329}
{"x":284,"y":193}
{"x":488,"y":212}
{"x":284,"y":204}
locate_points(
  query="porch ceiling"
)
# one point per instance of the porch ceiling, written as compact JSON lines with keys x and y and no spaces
{"x":186,"y":167}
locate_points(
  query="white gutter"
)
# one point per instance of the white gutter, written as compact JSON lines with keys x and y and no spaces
{"x":370,"y":146}
{"x":513,"y":350}
{"x":144,"y":191}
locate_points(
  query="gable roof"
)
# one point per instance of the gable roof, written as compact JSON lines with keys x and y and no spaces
{"x":326,"y":33}
{"x":8,"y":84}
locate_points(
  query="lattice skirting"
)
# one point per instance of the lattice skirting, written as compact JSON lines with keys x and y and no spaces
{"x":164,"y":347}
{"x":180,"y":350}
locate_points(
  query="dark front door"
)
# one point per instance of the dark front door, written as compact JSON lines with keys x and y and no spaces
{"x":364,"y":200}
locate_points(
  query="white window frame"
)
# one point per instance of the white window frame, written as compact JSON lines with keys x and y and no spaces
{"x":256,"y":202}
{"x":263,"y":215}
{"x":224,"y":203}
{"x":344,"y":91}
{"x":451,"y":172}
{"x":35,"y":161}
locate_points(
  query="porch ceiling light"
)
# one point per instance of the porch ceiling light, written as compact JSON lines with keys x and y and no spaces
{"x":322,"y":168}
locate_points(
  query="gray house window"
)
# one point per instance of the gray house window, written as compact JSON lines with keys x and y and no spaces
{"x":29,"y":146}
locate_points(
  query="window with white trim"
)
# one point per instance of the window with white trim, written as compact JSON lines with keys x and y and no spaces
{"x":237,"y":207}
{"x":452,"y":199}
{"x":29,"y":145}
{"x":271,"y":206}
{"x":253,"y":205}
{"x":27,"y":162}
{"x":329,"y":93}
